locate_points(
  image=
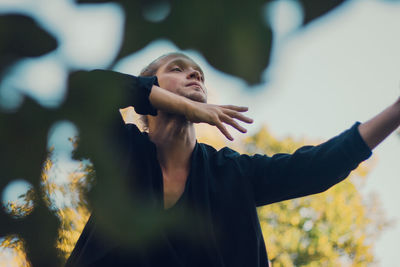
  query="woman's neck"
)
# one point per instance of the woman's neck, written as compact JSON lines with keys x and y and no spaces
{"x":175,"y":139}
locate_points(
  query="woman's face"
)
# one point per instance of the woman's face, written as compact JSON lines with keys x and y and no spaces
{"x":182,"y":76}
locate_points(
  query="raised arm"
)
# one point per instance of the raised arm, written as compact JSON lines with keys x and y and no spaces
{"x":313,"y":169}
{"x":144,"y":94}
{"x":379,"y":127}
{"x":197,"y":112}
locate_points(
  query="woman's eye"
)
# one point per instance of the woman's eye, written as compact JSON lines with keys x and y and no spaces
{"x":176,"y":69}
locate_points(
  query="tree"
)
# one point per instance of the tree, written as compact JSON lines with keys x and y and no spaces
{"x":12,"y":252}
{"x":65,"y":198}
{"x":73,"y":209}
{"x":12,"y":247}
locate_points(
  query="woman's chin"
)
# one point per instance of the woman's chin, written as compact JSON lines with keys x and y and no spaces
{"x":198,"y":97}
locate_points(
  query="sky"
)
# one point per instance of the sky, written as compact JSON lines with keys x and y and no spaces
{"x":342,"y":68}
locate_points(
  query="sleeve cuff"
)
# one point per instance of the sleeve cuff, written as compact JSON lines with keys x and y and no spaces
{"x":145,"y":84}
{"x":358,"y":148}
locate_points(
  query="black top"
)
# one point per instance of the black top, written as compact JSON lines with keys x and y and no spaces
{"x":221,"y":194}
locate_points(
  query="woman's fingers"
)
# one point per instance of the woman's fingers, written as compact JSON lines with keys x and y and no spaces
{"x":223,"y":130}
{"x":235,"y":112}
{"x":236,"y":108}
{"x":219,"y":115}
{"x":233,"y":123}
{"x":238,"y":115}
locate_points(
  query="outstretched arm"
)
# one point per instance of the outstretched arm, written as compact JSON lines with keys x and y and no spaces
{"x":198,"y":112}
{"x":313,"y":169}
{"x":379,"y":127}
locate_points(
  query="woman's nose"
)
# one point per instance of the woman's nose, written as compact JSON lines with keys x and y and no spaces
{"x":195,"y":74}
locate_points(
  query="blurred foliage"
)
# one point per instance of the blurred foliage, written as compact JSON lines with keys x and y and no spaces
{"x":14,"y":248}
{"x":233,"y":37}
{"x":23,"y":39}
{"x":24,"y":144}
{"x":67,"y":199}
{"x":19,"y":210}
{"x":336,"y":228}
{"x":73,"y":211}
{"x":24,"y":140}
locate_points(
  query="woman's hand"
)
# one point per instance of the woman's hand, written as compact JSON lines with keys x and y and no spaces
{"x":217,"y":115}
{"x":198,"y":112}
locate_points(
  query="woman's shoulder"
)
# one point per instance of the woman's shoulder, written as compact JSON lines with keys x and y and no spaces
{"x":220,"y":156}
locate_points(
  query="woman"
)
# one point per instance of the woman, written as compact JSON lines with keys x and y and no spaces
{"x":217,"y":191}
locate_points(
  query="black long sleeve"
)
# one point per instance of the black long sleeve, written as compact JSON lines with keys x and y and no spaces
{"x":137,"y":88}
{"x":309,"y":170}
{"x":111,"y":90}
